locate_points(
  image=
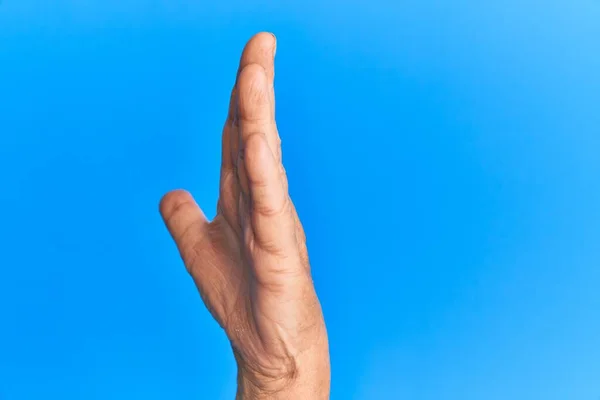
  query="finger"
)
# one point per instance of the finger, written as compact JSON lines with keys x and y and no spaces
{"x":261,"y":50}
{"x":270,"y":206}
{"x":191,"y":231}
{"x":228,"y":186}
{"x":186,"y":223}
{"x":253,"y":114}
{"x":227,"y":155}
{"x":260,"y":179}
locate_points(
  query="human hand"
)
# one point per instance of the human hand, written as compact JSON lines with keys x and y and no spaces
{"x":250,"y":263}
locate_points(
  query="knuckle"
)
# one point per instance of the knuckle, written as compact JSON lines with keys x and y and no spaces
{"x":273,"y":248}
{"x":252,"y":141}
{"x":270,"y":210}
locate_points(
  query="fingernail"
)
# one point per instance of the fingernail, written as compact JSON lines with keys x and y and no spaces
{"x":275,"y":43}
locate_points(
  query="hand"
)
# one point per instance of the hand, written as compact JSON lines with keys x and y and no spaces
{"x":250,"y":263}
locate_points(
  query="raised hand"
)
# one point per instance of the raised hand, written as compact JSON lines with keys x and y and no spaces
{"x":250,"y":263}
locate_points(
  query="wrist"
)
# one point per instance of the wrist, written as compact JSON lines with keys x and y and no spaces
{"x":309,"y":385}
{"x":306,"y":376}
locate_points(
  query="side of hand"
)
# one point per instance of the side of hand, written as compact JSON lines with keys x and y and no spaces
{"x":250,"y":263}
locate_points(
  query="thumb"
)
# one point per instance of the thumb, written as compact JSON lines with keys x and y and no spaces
{"x":187,"y":224}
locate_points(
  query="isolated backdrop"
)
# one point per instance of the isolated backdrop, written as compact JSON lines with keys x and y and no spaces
{"x":443,"y":156}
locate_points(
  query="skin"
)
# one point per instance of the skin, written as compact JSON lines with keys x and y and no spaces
{"x":250,"y":263}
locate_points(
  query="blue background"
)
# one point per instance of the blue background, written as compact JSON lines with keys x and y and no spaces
{"x":443,"y":155}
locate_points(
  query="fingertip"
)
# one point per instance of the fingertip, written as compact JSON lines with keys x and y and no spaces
{"x":172,"y":201}
{"x":254,"y":94}
{"x":273,"y":43}
{"x":252,"y":74}
{"x":259,"y":49}
{"x":264,"y":40}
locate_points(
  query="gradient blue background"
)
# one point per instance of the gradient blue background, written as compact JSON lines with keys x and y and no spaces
{"x":443,"y":155}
